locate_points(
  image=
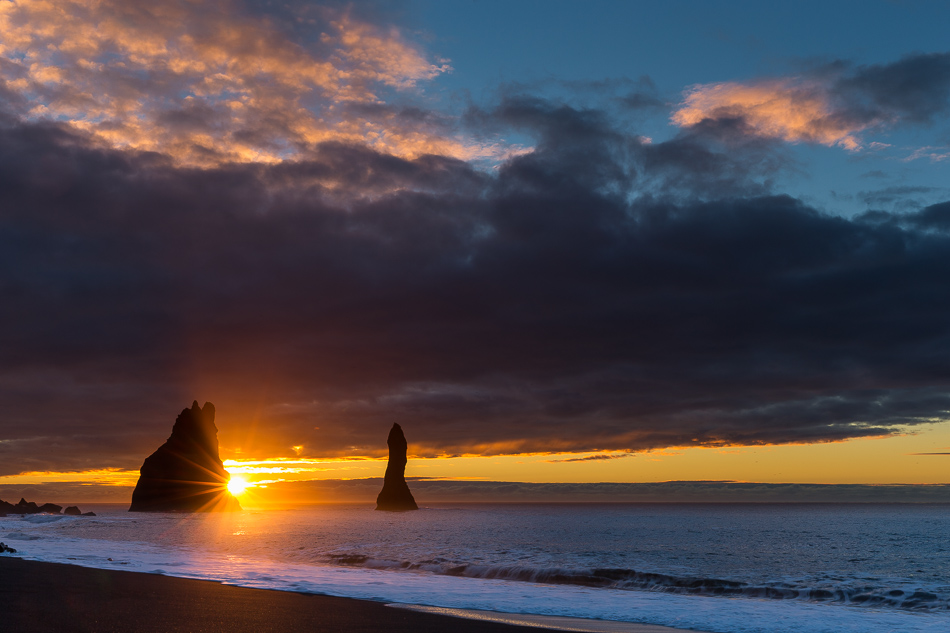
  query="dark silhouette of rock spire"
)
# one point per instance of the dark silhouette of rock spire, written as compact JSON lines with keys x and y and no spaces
{"x":186,"y":474}
{"x":395,"y":495}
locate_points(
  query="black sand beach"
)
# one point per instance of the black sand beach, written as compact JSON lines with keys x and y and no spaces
{"x":52,"y":598}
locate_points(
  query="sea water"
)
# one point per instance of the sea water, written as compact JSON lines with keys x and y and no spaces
{"x":744,"y":568}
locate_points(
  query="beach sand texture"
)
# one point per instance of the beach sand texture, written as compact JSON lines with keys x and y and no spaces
{"x":53,"y":598}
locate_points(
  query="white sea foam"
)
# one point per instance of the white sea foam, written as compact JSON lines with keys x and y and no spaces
{"x":45,"y":518}
{"x":22,"y":536}
{"x":215,"y":548}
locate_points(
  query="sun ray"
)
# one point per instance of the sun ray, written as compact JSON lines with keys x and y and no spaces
{"x":238,"y":485}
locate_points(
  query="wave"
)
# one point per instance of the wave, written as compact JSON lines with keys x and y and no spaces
{"x":865,"y":595}
{"x":23,"y":537}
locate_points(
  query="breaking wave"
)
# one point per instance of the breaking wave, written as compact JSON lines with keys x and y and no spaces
{"x":870,"y":595}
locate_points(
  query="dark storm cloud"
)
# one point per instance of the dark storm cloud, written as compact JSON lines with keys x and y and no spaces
{"x":598,"y":293}
{"x":901,"y":198}
{"x":585,"y":146}
{"x":936,"y":216}
{"x":628,"y":96}
{"x":915,"y":88}
{"x":643,"y":96}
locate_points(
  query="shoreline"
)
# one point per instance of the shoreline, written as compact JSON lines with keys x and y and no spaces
{"x":43,"y":597}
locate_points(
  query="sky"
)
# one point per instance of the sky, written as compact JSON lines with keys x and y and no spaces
{"x":558,"y":242}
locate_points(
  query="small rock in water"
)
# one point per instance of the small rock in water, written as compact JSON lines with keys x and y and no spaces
{"x":5,"y":549}
{"x":30,"y":507}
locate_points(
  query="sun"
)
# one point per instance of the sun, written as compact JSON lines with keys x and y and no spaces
{"x":237,"y":485}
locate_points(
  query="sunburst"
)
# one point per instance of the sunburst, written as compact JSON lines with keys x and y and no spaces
{"x":237,"y":485}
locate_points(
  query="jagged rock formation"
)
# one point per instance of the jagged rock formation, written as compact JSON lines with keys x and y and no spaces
{"x":26,"y":507}
{"x":185,"y":474}
{"x":30,"y":507}
{"x":395,"y":495}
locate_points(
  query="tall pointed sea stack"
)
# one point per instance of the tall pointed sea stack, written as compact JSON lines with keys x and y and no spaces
{"x":395,"y":495}
{"x":185,"y":474}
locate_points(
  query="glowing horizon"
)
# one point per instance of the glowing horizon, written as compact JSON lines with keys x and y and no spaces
{"x":867,"y":461}
{"x":675,"y":261}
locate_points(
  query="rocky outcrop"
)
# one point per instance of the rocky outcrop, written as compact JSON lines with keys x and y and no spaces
{"x":26,"y":507}
{"x":395,"y":495}
{"x":73,"y":511}
{"x":30,"y":507}
{"x":185,"y":474}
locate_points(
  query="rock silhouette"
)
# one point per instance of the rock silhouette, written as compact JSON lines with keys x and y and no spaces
{"x":185,"y":474}
{"x":26,"y":507}
{"x":31,"y":507}
{"x":395,"y":495}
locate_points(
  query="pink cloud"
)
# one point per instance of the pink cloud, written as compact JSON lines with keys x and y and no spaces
{"x":207,"y":83}
{"x":794,"y":110}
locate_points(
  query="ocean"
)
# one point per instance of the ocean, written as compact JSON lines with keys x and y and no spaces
{"x":722,"y":568}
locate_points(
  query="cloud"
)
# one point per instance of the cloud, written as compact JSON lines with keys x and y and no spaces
{"x":590,"y":458}
{"x":830,"y":106}
{"x":935,"y":217}
{"x":596,"y":294}
{"x":793,"y":110}
{"x":915,"y":88}
{"x":934,"y":154}
{"x":902,"y":197}
{"x":213,"y":82}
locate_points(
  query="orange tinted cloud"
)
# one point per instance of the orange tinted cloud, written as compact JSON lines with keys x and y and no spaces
{"x":206,"y":82}
{"x":96,"y":477}
{"x":789,"y":109}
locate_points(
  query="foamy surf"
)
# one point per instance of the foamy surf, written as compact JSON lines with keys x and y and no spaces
{"x":283,"y":551}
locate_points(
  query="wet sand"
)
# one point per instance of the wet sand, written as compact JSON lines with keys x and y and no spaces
{"x":52,"y":598}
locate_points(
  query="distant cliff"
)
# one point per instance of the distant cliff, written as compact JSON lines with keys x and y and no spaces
{"x":185,"y":474}
{"x":395,"y":495}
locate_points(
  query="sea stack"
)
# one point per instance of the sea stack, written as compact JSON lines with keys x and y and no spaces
{"x":395,"y":495}
{"x":185,"y":474}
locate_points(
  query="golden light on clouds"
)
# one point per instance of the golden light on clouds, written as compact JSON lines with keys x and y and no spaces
{"x":205,"y":84}
{"x":289,"y":469}
{"x":787,"y":109}
{"x":95,"y":477}
{"x":901,"y":459}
